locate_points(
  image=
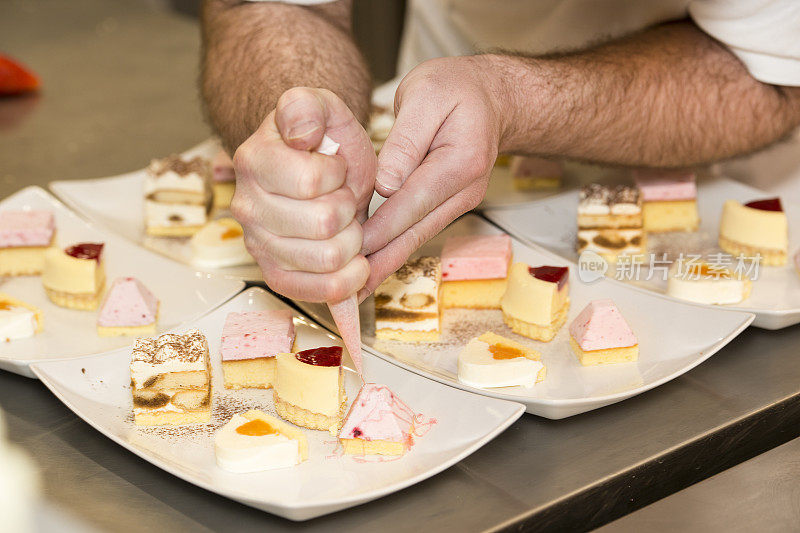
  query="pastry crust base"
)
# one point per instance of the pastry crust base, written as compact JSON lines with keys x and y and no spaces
{"x":373,"y":447}
{"x":83,"y":302}
{"x":769,"y":256}
{"x":537,"y":331}
{"x":23,"y":260}
{"x":307,"y":419}
{"x":473,"y":293}
{"x":258,"y":373}
{"x":127,"y":331}
{"x":628,"y":354}
{"x":173,"y":418}
{"x":387,"y":334}
{"x":535,"y":183}
{"x":223,"y":194}
{"x":172,"y":231}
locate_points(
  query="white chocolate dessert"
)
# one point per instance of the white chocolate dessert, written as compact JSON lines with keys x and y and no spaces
{"x":18,"y":320}
{"x":610,"y":222}
{"x":755,"y":229}
{"x":75,"y":277}
{"x":178,"y":196}
{"x":407,"y":303}
{"x":220,"y":243}
{"x":707,"y":284}
{"x":494,"y":361}
{"x":255,"y":441}
{"x":171,"y":379}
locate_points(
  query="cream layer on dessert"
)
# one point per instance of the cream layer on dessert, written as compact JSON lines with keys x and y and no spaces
{"x":128,"y":303}
{"x":409,"y":299}
{"x":26,"y":228}
{"x":220,"y":243}
{"x":531,"y":299}
{"x":166,"y":354}
{"x":494,"y":361}
{"x":378,"y":416}
{"x":314,"y":387}
{"x":473,"y":257}
{"x":254,"y":442}
{"x":706,"y":284}
{"x":601,"y":326}
{"x":256,"y":334}
{"x":663,"y":186}
{"x":159,"y":214}
{"x":175,"y":174}
{"x":73,"y":272}
{"x":222,"y":168}
{"x":18,"y":320}
{"x":753,"y":227}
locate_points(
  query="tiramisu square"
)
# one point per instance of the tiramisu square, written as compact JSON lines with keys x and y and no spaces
{"x":178,"y":196}
{"x":250,"y":342}
{"x":171,"y":379}
{"x":24,"y":237}
{"x":610,"y":222}
{"x":407,"y":303}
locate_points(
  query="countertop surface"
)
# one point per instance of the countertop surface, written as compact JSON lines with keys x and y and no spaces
{"x":119,"y":84}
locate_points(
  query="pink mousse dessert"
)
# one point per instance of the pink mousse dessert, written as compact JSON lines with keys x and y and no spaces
{"x":475,"y":271}
{"x":665,"y":186}
{"x":600,"y":334}
{"x":129,"y":308}
{"x":222,"y":168}
{"x":378,"y":423}
{"x":250,"y":342}
{"x":26,"y":228}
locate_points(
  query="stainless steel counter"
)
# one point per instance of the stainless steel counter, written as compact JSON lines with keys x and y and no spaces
{"x":119,"y":88}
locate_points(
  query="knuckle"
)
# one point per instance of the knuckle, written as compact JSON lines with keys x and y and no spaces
{"x":331,"y":257}
{"x":402,"y":150}
{"x":327,"y":221}
{"x":309,"y":183}
{"x":336,"y":289}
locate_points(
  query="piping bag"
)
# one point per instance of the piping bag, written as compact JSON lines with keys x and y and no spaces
{"x":345,"y":312}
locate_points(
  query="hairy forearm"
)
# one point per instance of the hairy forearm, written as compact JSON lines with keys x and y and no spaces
{"x":669,"y":96}
{"x":253,"y":52}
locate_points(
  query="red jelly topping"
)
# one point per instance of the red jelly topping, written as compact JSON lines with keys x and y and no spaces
{"x":550,"y":274}
{"x":770,"y":204}
{"x":85,"y":250}
{"x":327,"y":356}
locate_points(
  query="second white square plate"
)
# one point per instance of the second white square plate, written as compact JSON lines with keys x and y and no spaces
{"x":775,"y":298}
{"x":183,"y":293}
{"x":673,"y":338}
{"x":98,"y":390}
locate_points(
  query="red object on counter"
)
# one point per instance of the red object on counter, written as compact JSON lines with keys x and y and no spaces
{"x":15,"y":78}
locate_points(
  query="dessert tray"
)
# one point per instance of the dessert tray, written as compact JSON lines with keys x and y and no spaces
{"x":183,"y":293}
{"x":117,"y":203}
{"x":775,"y":296}
{"x":97,"y":389}
{"x":673,"y":338}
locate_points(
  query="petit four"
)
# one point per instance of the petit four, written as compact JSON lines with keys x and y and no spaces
{"x":407,"y":303}
{"x":378,"y":423}
{"x":178,"y":196}
{"x":224,"y":180}
{"x":250,"y":342}
{"x":171,"y":379}
{"x":755,"y":229}
{"x":129,"y":309}
{"x":706,"y":284}
{"x":531,"y":173}
{"x":220,"y":243}
{"x":475,"y":271}
{"x":494,"y":361}
{"x":255,"y":441}
{"x":24,"y":237}
{"x":18,"y":320}
{"x":669,"y":200}
{"x":75,"y":277}
{"x":599,"y":335}
{"x":309,"y":388}
{"x":610,"y":222}
{"x":537,"y":300}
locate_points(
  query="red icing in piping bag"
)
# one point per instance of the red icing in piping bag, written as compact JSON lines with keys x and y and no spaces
{"x":345,"y":313}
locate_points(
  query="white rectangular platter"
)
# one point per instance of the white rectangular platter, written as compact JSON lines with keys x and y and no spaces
{"x":117,"y":203}
{"x":97,"y":389}
{"x":183,"y":293}
{"x":673,"y":338}
{"x":775,"y":298}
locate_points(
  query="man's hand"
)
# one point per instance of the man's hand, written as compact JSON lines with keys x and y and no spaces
{"x":302,"y":211}
{"x":436,"y":161}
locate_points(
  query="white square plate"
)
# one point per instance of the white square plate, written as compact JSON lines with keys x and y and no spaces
{"x":117,"y":204}
{"x":183,"y":293}
{"x":97,"y":389}
{"x":775,"y":299}
{"x":673,"y":338}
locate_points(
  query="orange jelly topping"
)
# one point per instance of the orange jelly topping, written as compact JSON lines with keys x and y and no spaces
{"x":500,"y":351}
{"x":256,"y":428}
{"x":5,"y":306}
{"x":231,"y":233}
{"x":704,"y":270}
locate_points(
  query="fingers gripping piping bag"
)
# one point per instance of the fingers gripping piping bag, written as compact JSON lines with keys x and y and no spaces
{"x":345,"y":313}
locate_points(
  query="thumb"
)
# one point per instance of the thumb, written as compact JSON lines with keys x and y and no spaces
{"x":300,"y":116}
{"x":406,"y":146}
